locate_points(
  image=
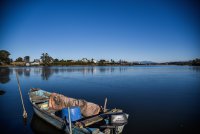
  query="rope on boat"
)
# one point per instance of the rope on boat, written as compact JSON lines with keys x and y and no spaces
{"x":70,"y":124}
{"x":105,"y":105}
{"x":24,"y":113}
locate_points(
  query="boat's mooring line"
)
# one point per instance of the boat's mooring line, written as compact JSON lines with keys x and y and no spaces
{"x":24,"y":113}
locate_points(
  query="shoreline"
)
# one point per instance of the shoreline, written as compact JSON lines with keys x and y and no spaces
{"x":99,"y":65}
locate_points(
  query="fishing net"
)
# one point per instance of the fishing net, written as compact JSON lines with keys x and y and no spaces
{"x":58,"y":102}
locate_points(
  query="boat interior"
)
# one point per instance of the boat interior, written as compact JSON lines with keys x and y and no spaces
{"x":96,"y":123}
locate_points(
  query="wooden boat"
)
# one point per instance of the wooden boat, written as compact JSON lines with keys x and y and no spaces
{"x":107,"y":121}
{"x":39,"y":126}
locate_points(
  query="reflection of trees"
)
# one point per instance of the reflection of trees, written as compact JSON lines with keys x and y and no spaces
{"x":20,"y":71}
{"x":195,"y":68}
{"x":37,"y":70}
{"x":122,"y":69}
{"x":27,"y":72}
{"x":23,"y":71}
{"x":2,"y":92}
{"x":102,"y":69}
{"x":92,"y":69}
{"x":46,"y":73}
{"x":4,"y":77}
{"x":56,"y":70}
{"x":112,"y":69}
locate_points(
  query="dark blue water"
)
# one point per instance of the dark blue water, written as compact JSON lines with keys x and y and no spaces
{"x":159,"y":99}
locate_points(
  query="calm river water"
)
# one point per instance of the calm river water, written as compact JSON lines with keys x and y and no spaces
{"x":159,"y":99}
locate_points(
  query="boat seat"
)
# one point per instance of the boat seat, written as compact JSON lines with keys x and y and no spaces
{"x":40,"y":101}
{"x":51,"y":111}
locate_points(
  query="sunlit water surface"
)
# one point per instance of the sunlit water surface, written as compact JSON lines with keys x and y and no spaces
{"x":159,"y":99}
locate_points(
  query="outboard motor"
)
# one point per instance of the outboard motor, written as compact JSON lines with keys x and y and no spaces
{"x":118,"y":120}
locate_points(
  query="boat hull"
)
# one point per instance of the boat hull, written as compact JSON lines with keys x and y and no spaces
{"x":48,"y":115}
{"x":56,"y":123}
{"x":49,"y":119}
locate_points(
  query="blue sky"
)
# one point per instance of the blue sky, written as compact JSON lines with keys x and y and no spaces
{"x":162,"y":30}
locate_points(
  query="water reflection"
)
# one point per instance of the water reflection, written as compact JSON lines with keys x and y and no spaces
{"x":47,"y":72}
{"x":20,"y":71}
{"x":2,"y":92}
{"x":39,"y":126}
{"x":27,"y":72}
{"x":196,"y":68}
{"x":159,"y":95}
{"x":89,"y":69}
{"x":4,"y":77}
{"x":23,"y":71}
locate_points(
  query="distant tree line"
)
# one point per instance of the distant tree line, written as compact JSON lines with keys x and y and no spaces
{"x":196,"y":62}
{"x":47,"y":60}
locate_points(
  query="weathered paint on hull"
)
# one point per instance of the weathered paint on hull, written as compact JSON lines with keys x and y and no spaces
{"x":57,"y":123}
{"x":60,"y":125}
{"x":50,"y":120}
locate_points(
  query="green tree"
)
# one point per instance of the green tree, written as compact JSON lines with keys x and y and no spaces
{"x":56,"y":60}
{"x":62,"y":60}
{"x":46,"y":59}
{"x":112,"y":61}
{"x":102,"y":61}
{"x":19,"y":59}
{"x":4,"y":57}
{"x":196,"y":62}
{"x":27,"y":58}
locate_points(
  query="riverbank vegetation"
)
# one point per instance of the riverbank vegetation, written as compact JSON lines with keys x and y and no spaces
{"x":47,"y":60}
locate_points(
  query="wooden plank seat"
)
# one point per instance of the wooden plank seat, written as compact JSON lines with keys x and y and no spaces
{"x":40,"y":101}
{"x":94,"y":119}
{"x":51,"y":111}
